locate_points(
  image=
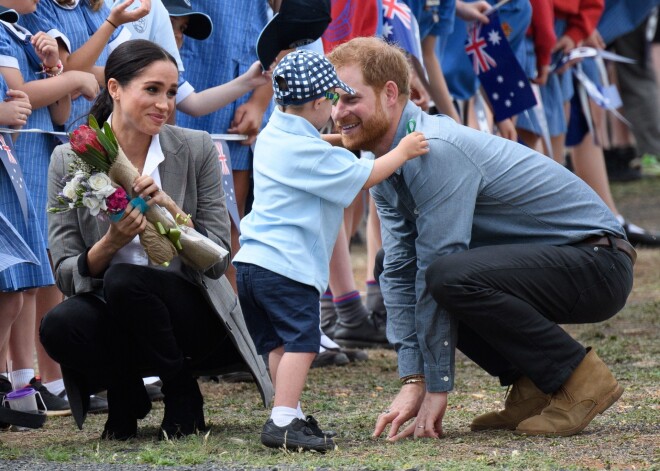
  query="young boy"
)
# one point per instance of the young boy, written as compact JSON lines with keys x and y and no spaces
{"x":301,"y":186}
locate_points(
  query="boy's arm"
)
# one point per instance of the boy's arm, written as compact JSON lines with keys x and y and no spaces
{"x":438,"y":90}
{"x":86,"y":55}
{"x":411,"y":146}
{"x":334,"y":139}
{"x":209,"y":100}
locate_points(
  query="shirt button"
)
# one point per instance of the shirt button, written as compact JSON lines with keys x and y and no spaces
{"x":446,"y":343}
{"x":416,"y":211}
{"x":446,"y":378}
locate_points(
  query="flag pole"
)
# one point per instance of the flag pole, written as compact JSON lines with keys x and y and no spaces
{"x":496,"y":7}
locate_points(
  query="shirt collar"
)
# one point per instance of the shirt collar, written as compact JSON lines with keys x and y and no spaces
{"x":155,"y":154}
{"x":294,"y":124}
{"x":410,"y":111}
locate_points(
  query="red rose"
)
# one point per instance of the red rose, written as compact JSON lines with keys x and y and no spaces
{"x":85,"y":136}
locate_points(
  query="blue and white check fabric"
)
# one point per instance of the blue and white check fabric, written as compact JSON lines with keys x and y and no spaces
{"x":303,"y":76}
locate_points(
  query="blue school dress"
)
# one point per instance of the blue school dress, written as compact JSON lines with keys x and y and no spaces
{"x":32,"y":150}
{"x":24,"y":275}
{"x":77,"y":25}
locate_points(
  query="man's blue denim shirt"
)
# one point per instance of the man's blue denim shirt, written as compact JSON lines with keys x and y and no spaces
{"x":472,"y":189}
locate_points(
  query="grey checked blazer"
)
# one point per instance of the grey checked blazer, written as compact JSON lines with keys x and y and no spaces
{"x":191,"y":176}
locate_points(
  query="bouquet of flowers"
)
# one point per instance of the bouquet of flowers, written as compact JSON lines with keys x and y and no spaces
{"x":101,"y":158}
{"x":86,"y":188}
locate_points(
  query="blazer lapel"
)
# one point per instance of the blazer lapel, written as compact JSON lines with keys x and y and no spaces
{"x":174,"y":167}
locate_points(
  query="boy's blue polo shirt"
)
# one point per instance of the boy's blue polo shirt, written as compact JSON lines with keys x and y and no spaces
{"x":301,"y":186}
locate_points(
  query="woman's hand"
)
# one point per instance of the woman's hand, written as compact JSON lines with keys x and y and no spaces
{"x":404,"y":406}
{"x":123,"y":231}
{"x":46,"y":48}
{"x":149,"y":191}
{"x":15,"y":109}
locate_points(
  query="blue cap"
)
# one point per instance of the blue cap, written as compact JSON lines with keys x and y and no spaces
{"x":303,"y":76}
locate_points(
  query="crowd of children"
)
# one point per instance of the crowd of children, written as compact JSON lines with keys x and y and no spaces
{"x":291,"y":187}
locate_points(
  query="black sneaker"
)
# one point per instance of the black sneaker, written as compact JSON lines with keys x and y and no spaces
{"x":639,"y":237}
{"x":154,"y":392}
{"x":370,"y":333}
{"x":330,"y":358}
{"x":353,"y":354}
{"x":313,"y":424}
{"x":295,"y":436}
{"x":5,"y":388}
{"x":97,"y":404}
{"x":55,"y":405}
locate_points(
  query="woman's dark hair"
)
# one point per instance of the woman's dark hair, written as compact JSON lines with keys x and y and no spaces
{"x":125,"y":63}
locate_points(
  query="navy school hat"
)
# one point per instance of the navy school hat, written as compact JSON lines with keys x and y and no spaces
{"x":200,"y":25}
{"x":299,"y":22}
{"x":8,"y":15}
{"x":302,"y":76}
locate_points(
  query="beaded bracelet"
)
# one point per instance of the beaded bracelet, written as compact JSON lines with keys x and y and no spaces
{"x":413,"y":379}
{"x":48,"y":71}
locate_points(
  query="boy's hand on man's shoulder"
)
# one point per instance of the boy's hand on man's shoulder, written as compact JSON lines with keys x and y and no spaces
{"x":414,"y":145}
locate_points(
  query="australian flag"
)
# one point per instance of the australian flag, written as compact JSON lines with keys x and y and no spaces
{"x":400,"y":27}
{"x":499,"y":72}
{"x":227,"y":179}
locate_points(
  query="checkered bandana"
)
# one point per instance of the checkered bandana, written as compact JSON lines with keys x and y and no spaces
{"x":303,"y":76}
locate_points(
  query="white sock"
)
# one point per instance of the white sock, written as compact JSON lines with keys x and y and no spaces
{"x":150,"y":379}
{"x":283,"y":416}
{"x":55,"y":387}
{"x":301,"y":414}
{"x":21,"y":378}
{"x":630,"y":227}
{"x":327,"y":342}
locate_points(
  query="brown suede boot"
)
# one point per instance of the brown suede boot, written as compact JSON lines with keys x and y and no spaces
{"x":590,"y":390}
{"x":524,"y":400}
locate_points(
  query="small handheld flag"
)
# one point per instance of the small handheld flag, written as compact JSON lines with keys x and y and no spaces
{"x":499,"y":72}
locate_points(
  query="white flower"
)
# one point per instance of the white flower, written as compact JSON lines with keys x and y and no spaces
{"x":98,"y":181}
{"x":93,"y":204}
{"x":70,"y":189}
{"x":105,"y":191}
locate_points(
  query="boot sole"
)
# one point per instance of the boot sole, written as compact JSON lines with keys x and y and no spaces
{"x":601,"y":407}
{"x":59,"y":413}
{"x":485,"y":428}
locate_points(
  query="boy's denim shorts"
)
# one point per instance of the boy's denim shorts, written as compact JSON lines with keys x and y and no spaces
{"x":278,"y":310}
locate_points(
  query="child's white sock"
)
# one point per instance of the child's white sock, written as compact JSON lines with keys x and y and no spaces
{"x":21,"y":378}
{"x":55,"y":387}
{"x":283,"y":416}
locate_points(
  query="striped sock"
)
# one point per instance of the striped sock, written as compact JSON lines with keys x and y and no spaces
{"x":349,"y":307}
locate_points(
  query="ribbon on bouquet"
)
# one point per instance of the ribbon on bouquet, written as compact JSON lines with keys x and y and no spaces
{"x":137,"y":202}
{"x":172,"y":233}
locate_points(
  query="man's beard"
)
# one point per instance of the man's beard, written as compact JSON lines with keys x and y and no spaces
{"x":370,"y":134}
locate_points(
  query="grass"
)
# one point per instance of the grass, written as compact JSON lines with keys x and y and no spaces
{"x":348,"y":399}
